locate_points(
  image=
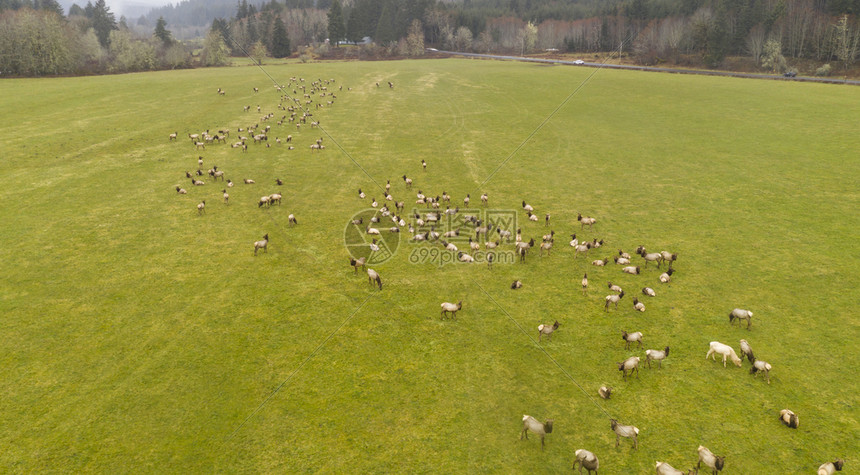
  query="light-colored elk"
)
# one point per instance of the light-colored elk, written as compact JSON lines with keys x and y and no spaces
{"x":630,"y":338}
{"x":263,"y":244}
{"x":546,"y":329}
{"x":629,"y":432}
{"x":586,"y":221}
{"x":663,"y":468}
{"x":450,"y":308}
{"x":613,"y":299}
{"x":760,"y":366}
{"x":373,"y":276}
{"x":656,"y":355}
{"x":717,"y":348}
{"x":630,"y":364}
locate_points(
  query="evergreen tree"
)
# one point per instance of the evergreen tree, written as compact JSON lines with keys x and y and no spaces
{"x":336,"y":28}
{"x":356,"y":25}
{"x":241,"y":9}
{"x":103,"y":21}
{"x":252,"y":31}
{"x":280,"y":40}
{"x":161,"y":31}
{"x":716,"y":42}
{"x":220,"y":25}
{"x":75,"y":9}
{"x":385,"y":28}
{"x":48,"y":5}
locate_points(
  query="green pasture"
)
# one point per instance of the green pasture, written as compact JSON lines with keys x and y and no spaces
{"x":141,"y":337}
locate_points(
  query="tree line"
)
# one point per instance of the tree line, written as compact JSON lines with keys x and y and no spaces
{"x":37,"y":39}
{"x":770,"y":32}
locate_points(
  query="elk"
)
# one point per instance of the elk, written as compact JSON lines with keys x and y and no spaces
{"x":541,"y":429}
{"x":547,"y":330}
{"x":451,"y":308}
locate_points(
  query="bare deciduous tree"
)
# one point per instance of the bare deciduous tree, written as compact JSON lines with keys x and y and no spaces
{"x":755,"y":42}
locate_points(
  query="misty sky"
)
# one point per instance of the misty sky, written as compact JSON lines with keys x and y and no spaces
{"x":129,"y":8}
{"x":134,"y":8}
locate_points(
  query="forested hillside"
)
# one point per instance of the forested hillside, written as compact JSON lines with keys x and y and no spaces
{"x":775,"y":35}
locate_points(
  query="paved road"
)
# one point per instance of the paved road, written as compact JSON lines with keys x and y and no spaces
{"x":648,"y":68}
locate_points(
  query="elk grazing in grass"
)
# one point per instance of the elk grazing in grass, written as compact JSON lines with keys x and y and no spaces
{"x":760,"y":366}
{"x":630,"y":364}
{"x":586,"y":460}
{"x":373,"y":276}
{"x":741,"y":314}
{"x":715,"y":463}
{"x":717,"y":348}
{"x":747,"y":351}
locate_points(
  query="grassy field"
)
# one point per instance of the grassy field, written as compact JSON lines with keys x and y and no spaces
{"x":141,"y":337}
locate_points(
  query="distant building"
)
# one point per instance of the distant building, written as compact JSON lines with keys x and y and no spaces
{"x":364,"y":41}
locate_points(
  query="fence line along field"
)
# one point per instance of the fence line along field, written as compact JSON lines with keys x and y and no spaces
{"x":155,"y":324}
